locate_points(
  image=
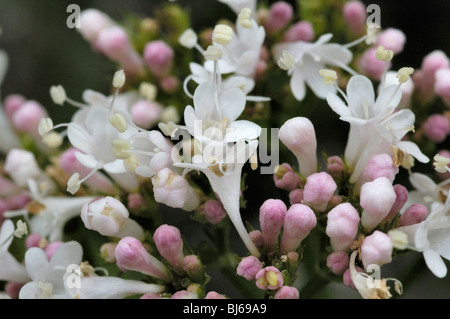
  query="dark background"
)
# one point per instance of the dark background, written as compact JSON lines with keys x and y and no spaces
{"x":44,"y":52}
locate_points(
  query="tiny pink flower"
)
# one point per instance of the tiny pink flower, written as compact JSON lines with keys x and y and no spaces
{"x":280,"y":13}
{"x":214,"y":211}
{"x":380,"y":165}
{"x":342,"y":226}
{"x":271,"y":218}
{"x":414,"y":214}
{"x":300,"y":31}
{"x":214,"y":295}
{"x":338,"y":262}
{"x":355,"y":16}
{"x":298,"y":223}
{"x":296,"y":196}
{"x":335,"y":166}
{"x":376,"y":249}
{"x":401,"y":196}
{"x":269,"y":278}
{"x":370,"y":66}
{"x":392,"y":39}
{"x":146,"y":113}
{"x":287,"y":292}
{"x":318,"y":190}
{"x":12,"y":103}
{"x":437,"y":127}
{"x":158,"y":55}
{"x":170,"y":245}
{"x":285,"y":177}
{"x":248,"y":267}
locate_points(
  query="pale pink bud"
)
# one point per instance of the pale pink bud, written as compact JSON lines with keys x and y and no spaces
{"x":335,"y":166}
{"x":287,"y":292}
{"x":347,"y":277}
{"x":300,"y":31}
{"x":214,"y":211}
{"x":442,"y":83}
{"x":299,"y":136}
{"x":376,"y":199}
{"x":318,"y":190}
{"x":298,"y":222}
{"x":136,"y":202}
{"x":51,"y":248}
{"x":192,"y":266}
{"x":8,"y":188}
{"x":158,"y":55}
{"x":285,"y":177}
{"x":146,"y":113}
{"x":12,"y":289}
{"x":169,"y":84}
{"x":338,"y":262}
{"x":296,"y":196}
{"x":401,"y":193}
{"x":271,"y":217}
{"x":108,"y":252}
{"x":370,"y":66}
{"x":391,"y":39}
{"x":260,"y":68}
{"x":257,"y":238}
{"x":12,"y":103}
{"x":26,"y":119}
{"x":355,"y":16}
{"x":342,"y":226}
{"x":174,"y":190}
{"x":376,"y":249}
{"x":414,"y":214}
{"x":214,"y":295}
{"x":110,"y":217}
{"x":18,"y":201}
{"x":248,"y":267}
{"x":445,"y":175}
{"x":33,"y":240}
{"x":21,"y":165}
{"x":132,"y":255}
{"x":434,"y":61}
{"x":437,"y":127}
{"x":170,"y":245}
{"x":280,"y":13}
{"x":184,"y":294}
{"x":380,"y":165}
{"x":269,"y":278}
{"x":98,"y":181}
{"x":93,"y":22}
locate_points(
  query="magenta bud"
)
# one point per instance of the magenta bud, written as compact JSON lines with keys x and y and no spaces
{"x":285,"y":177}
{"x":287,"y":292}
{"x":434,"y":61}
{"x":26,"y":119}
{"x":355,"y":16}
{"x":318,"y":190}
{"x":370,"y":66}
{"x":269,"y":278}
{"x":338,"y":262}
{"x":437,"y":127}
{"x":414,"y":214}
{"x":12,"y":103}
{"x":158,"y":55}
{"x":401,"y":193}
{"x":32,"y":240}
{"x":12,"y":289}
{"x":280,"y":13}
{"x":296,"y":196}
{"x":192,"y":265}
{"x":132,"y":255}
{"x":335,"y":166}
{"x":271,"y":218}
{"x":298,"y":222}
{"x":136,"y":202}
{"x":257,"y":238}
{"x":376,"y":249}
{"x":146,"y":113}
{"x":214,"y":211}
{"x":342,"y":226}
{"x":170,"y":245}
{"x":51,"y":248}
{"x":392,"y":39}
{"x":300,"y":31}
{"x":248,"y":267}
{"x":169,"y":84}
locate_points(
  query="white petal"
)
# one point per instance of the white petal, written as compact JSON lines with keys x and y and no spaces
{"x":80,"y":138}
{"x":298,"y":84}
{"x":68,"y":253}
{"x":360,"y":90}
{"x":423,"y":183}
{"x":204,"y":100}
{"x":95,"y":98}
{"x":126,"y":180}
{"x":242,"y":129}
{"x":335,"y":54}
{"x":36,"y":263}
{"x":338,"y":106}
{"x":435,"y":263}
{"x":232,"y":103}
{"x":412,"y":149}
{"x":440,"y":242}
{"x":5,"y":232}
{"x":115,"y":167}
{"x":86,"y":160}
{"x":199,"y":73}
{"x":247,"y":62}
{"x":387,"y":98}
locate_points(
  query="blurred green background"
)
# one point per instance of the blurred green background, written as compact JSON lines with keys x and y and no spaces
{"x":44,"y":52}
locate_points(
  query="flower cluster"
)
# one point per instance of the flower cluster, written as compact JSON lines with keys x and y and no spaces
{"x":183,"y":128}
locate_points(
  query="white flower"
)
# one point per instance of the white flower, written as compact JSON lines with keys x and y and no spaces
{"x":10,"y":268}
{"x":432,"y":237}
{"x":309,"y":59}
{"x":21,"y":165}
{"x":48,"y":276}
{"x":238,"y":5}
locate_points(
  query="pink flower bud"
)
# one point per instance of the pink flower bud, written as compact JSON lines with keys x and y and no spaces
{"x":298,"y":222}
{"x":248,"y":267}
{"x":414,"y":214}
{"x":376,"y":199}
{"x":93,"y":22}
{"x":158,"y":56}
{"x":434,"y":61}
{"x":70,"y":164}
{"x":192,"y":266}
{"x":33,"y":240}
{"x":146,"y":113}
{"x":338,"y":262}
{"x":51,"y":248}
{"x":437,"y":128}
{"x":169,"y":84}
{"x":318,"y":190}
{"x":425,"y":78}
{"x":296,"y":196}
{"x":214,"y":295}
{"x":12,"y":103}
{"x":136,"y":202}
{"x":12,"y":289}
{"x":300,"y":31}
{"x":347,"y":277}
{"x":280,"y":13}
{"x":257,"y":238}
{"x":269,"y":278}
{"x":110,"y":217}
{"x":8,"y":188}
{"x":370,"y":66}
{"x":214,"y":211}
{"x":170,"y":245}
{"x":392,"y":39}
{"x":442,"y":83}
{"x":355,"y":16}
{"x":342,"y":226}
{"x":18,"y":201}
{"x":287,"y":292}
{"x":285,"y":177}
{"x":174,"y":190}
{"x":298,"y":135}
{"x":131,"y":255}
{"x":271,"y":217}
{"x":401,"y":193}
{"x":376,"y":249}
{"x":335,"y":166}
{"x":380,"y":165}
{"x":108,"y":252}
{"x":26,"y":119}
